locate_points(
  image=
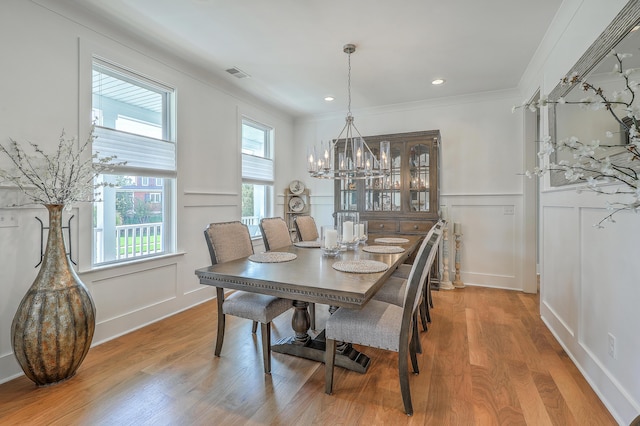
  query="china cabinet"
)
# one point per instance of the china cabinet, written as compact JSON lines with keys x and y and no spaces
{"x":405,"y":202}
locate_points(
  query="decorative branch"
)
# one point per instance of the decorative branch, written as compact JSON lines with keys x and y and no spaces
{"x":596,"y":170}
{"x":65,"y":177}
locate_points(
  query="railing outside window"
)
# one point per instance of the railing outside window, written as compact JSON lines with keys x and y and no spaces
{"x":134,"y":241}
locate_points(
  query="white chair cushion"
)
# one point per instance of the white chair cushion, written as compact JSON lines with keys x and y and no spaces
{"x":392,"y":291}
{"x":377,"y":325}
{"x":254,"y":306}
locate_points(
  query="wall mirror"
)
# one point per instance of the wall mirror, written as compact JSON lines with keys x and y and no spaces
{"x":596,"y":65}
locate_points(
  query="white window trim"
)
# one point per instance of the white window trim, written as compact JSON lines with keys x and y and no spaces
{"x":242,"y":117}
{"x":143,"y":65}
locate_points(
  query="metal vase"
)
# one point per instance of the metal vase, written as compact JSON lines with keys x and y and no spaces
{"x":53,"y":327}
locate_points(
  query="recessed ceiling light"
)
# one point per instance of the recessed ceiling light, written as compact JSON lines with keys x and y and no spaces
{"x":438,"y":81}
{"x":329,"y":98}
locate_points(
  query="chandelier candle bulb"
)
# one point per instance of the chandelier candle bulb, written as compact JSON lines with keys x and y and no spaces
{"x":457,"y":228}
{"x":385,"y":150}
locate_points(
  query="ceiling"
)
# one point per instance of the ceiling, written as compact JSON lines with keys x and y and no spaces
{"x":292,"y":49}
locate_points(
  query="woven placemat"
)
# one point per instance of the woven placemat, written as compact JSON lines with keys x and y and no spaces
{"x":272,"y":257}
{"x":391,"y":240}
{"x":307,"y":244}
{"x":360,"y":266}
{"x":383,"y":249}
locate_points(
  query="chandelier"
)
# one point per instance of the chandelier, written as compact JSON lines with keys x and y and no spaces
{"x":355,"y":160}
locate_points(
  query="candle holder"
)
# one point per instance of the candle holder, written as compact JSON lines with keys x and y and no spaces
{"x":348,"y":229}
{"x":445,"y":282}
{"x":363,"y":231}
{"x":457,"y":282}
{"x":330,"y":245}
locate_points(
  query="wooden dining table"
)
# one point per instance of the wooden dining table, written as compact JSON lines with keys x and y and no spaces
{"x":310,"y":277}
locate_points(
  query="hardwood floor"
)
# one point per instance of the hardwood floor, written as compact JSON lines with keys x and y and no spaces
{"x":487,"y":359}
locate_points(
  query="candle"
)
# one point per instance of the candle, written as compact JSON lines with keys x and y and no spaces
{"x":347,"y":231}
{"x":360,"y":230}
{"x":457,"y":228}
{"x":444,"y":212}
{"x":330,"y":238}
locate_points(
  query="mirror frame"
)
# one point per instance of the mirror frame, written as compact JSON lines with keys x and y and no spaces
{"x":617,"y":30}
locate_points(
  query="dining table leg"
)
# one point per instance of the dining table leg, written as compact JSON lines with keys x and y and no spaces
{"x":301,"y":344}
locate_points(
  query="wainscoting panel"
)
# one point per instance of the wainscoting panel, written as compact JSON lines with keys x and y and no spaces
{"x":560,"y":258}
{"x":609,"y":292}
{"x":123,"y":294}
{"x":489,"y":254}
{"x":590,"y":292}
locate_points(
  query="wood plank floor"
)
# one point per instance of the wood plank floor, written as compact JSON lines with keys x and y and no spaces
{"x":487,"y":359}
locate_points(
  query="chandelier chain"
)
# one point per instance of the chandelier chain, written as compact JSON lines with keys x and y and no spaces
{"x":349,"y":84}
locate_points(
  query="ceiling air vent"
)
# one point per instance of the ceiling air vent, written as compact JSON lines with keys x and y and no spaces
{"x":237,"y":72}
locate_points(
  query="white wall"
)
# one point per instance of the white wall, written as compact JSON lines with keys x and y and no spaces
{"x":482,"y":158}
{"x":45,"y":56}
{"x":589,"y":276}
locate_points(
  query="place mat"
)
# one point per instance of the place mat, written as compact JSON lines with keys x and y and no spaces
{"x":383,"y":249}
{"x":391,"y":240}
{"x":272,"y":257}
{"x":307,"y":244}
{"x":360,"y":266}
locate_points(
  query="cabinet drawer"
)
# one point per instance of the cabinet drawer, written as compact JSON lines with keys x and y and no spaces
{"x":415,"y":227}
{"x":383,"y":226}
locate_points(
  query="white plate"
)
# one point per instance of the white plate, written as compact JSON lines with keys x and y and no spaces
{"x":296,"y":187}
{"x":296,"y":204}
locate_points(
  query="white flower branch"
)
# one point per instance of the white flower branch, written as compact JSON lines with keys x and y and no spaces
{"x":65,"y":177}
{"x":589,"y":166}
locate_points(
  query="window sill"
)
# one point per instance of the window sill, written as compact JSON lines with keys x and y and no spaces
{"x":148,"y":262}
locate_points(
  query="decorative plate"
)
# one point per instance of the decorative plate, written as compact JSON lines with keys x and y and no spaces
{"x":391,"y":240}
{"x":360,"y":266}
{"x":273,"y":257}
{"x":296,"y":204}
{"x":296,"y":187}
{"x":383,"y":249}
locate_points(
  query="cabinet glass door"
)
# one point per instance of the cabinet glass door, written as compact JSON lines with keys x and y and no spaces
{"x":348,"y":195}
{"x":419,"y":178}
{"x":384,"y":194}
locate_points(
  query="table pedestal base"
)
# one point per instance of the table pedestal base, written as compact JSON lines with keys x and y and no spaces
{"x":302,"y":345}
{"x":347,"y":357}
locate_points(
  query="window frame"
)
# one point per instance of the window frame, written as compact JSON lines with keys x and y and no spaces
{"x":268,"y":183}
{"x":168,"y":178}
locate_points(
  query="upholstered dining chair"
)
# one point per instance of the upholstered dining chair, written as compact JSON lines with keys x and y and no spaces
{"x":229,"y":241}
{"x":275,"y":234}
{"x":384,"y":325}
{"x":393,"y":289}
{"x":306,"y":228}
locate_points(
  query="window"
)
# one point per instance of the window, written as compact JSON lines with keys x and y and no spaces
{"x":134,"y":121}
{"x":257,"y":174}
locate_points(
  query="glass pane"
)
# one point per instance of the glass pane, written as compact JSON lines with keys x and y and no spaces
{"x":121,"y":102}
{"x":419,"y":183}
{"x":384,"y":194}
{"x":348,"y":195}
{"x":255,"y":206}
{"x":130,"y":222}
{"x":255,"y":140}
